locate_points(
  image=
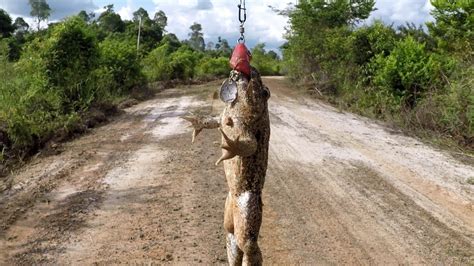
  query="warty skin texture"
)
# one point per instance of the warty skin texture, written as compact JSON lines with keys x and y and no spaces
{"x":245,"y":128}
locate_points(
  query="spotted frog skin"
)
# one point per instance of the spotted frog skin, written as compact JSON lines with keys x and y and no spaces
{"x":245,"y":128}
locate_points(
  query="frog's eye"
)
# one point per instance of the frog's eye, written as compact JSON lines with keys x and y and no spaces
{"x":266,"y":93}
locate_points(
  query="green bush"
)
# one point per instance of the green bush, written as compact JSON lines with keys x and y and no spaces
{"x":165,"y":64}
{"x":320,"y":34}
{"x":183,"y":62}
{"x":266,"y":63}
{"x":452,"y":28}
{"x":70,"y":55}
{"x":337,"y":68}
{"x":212,"y":67}
{"x":59,"y":76}
{"x":409,"y":71}
{"x":415,"y":78}
{"x":156,"y":64}
{"x":450,"y":111}
{"x":28,"y":110}
{"x":119,"y":60}
{"x":369,"y":41}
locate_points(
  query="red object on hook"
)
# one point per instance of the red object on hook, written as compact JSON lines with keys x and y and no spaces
{"x":240,"y":59}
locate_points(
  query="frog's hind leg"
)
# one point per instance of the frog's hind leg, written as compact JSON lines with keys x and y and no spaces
{"x":247,"y":222}
{"x":234,"y":254}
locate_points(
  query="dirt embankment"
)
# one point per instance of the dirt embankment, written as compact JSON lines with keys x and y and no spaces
{"x":339,"y":189}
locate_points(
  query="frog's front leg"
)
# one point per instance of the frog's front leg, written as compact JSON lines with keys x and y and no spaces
{"x":201,"y":122}
{"x":244,"y":145}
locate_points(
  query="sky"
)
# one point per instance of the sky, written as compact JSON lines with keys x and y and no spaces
{"x":220,"y":17}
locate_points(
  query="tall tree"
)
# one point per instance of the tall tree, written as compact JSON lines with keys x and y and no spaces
{"x":18,"y":40}
{"x":172,"y":40}
{"x":418,"y":33}
{"x":273,"y":55}
{"x":453,"y":26}
{"x":21,"y":25}
{"x":210,"y":46}
{"x":317,"y":28}
{"x":223,"y":47}
{"x":331,"y":14}
{"x":87,"y":17}
{"x":6,"y":27}
{"x":151,"y":32}
{"x":266,"y":63}
{"x":196,"y":39}
{"x":40,"y":10}
{"x":161,"y":19}
{"x":109,"y":21}
{"x":141,"y":13}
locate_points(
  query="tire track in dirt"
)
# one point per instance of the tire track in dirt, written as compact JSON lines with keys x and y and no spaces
{"x":155,"y":208}
{"x":146,"y":207}
{"x":335,"y":175}
{"x":339,"y":190}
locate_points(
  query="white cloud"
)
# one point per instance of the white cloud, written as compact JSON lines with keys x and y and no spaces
{"x":59,"y":8}
{"x":220,"y":18}
{"x":401,"y":11}
{"x":126,"y":12}
{"x":204,"y":4}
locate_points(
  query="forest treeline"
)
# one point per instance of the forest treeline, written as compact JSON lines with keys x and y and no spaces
{"x":418,"y":76}
{"x":52,"y":77}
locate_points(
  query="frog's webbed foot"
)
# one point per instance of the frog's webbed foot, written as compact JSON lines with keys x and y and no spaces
{"x":241,"y":146}
{"x":229,"y":147}
{"x":198,"y":123}
{"x":194,"y":124}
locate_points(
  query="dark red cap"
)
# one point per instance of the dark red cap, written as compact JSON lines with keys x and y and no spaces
{"x":240,"y":59}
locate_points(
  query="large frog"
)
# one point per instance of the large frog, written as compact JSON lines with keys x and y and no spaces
{"x":245,"y":128}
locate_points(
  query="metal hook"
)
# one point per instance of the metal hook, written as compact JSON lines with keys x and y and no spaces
{"x":242,"y":19}
{"x":242,"y":12}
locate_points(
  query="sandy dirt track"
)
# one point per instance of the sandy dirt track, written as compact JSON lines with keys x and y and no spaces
{"x":340,"y":189}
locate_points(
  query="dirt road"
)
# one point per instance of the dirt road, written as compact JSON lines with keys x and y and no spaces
{"x":340,"y":189}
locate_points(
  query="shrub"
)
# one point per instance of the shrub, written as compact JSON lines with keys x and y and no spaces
{"x":212,"y":67}
{"x":59,"y":75}
{"x":29,"y":110}
{"x":119,"y":60}
{"x":165,"y":64}
{"x":183,"y":62}
{"x":264,"y":61}
{"x":409,"y":71}
{"x":69,"y":56}
{"x":156,"y":64}
{"x":369,"y":41}
{"x":413,"y":77}
{"x":450,"y":111}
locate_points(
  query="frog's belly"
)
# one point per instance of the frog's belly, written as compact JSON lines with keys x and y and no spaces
{"x":244,"y":174}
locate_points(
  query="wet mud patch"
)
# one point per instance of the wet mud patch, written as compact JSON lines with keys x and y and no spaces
{"x":54,"y":228}
{"x":69,"y":215}
{"x":17,"y":201}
